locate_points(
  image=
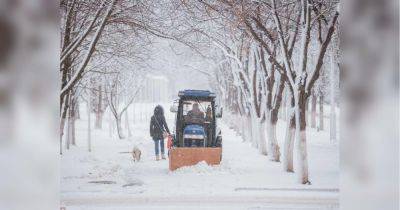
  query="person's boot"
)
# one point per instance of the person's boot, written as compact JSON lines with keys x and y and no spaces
{"x":157,"y":158}
{"x":163,"y":156}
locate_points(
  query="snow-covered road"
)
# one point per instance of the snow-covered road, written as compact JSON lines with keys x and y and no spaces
{"x":244,"y":180}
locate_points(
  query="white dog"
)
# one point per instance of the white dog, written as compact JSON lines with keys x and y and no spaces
{"x":136,"y":153}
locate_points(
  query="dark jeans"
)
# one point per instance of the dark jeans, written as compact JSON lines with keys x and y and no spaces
{"x":159,"y":143}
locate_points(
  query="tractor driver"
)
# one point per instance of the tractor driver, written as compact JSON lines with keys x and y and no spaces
{"x":195,"y":114}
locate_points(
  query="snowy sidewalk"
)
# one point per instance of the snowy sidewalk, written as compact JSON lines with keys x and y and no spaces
{"x":244,"y":176}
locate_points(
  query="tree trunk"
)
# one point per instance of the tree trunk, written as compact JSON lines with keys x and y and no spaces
{"x":289,"y":143}
{"x":77,"y":111}
{"x":289,"y":105}
{"x":62,"y":123}
{"x":306,"y":112}
{"x":332,"y":129}
{"x":321,"y":113}
{"x":119,"y":127}
{"x":333,"y":123}
{"x":301,"y":139}
{"x":72,"y":121}
{"x":63,"y":119}
{"x":313,"y":111}
{"x":254,"y":133}
{"x":273,"y":148}
{"x":89,"y":137}
{"x":67,"y":140}
{"x":246,"y":128}
{"x":62,"y":126}
{"x":283,"y":109}
{"x":272,"y":118}
{"x":261,"y":138}
{"x":73,"y":136}
{"x":65,"y":70}
{"x":99,"y":109}
{"x":240,"y":120}
{"x":302,"y":157}
{"x":127,"y":126}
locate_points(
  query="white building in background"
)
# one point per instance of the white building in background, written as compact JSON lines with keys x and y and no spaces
{"x":155,"y":89}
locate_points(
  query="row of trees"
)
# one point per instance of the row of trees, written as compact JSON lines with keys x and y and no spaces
{"x":103,"y":59}
{"x":262,"y":52}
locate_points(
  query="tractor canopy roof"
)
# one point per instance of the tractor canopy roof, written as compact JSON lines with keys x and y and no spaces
{"x":196,"y":94}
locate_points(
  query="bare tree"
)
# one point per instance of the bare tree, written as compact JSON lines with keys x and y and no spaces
{"x":75,"y":15}
{"x":121,"y":90}
{"x":298,"y":78}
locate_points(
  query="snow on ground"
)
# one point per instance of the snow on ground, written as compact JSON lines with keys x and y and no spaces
{"x":244,"y":175}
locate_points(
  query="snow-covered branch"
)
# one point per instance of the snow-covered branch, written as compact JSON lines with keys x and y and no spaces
{"x":89,"y":52}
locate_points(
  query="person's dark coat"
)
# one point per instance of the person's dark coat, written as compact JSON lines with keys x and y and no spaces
{"x":158,"y":124}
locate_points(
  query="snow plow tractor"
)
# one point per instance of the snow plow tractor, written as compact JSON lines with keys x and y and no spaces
{"x":197,"y":137}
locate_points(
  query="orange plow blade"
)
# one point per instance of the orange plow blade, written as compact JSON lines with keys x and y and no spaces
{"x":186,"y":156}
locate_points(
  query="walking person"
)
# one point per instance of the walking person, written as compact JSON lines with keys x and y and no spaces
{"x":158,"y":131}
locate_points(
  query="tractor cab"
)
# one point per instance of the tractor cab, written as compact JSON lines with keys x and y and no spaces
{"x":197,"y":134}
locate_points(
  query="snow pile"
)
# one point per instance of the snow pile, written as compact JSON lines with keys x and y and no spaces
{"x":202,"y":168}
